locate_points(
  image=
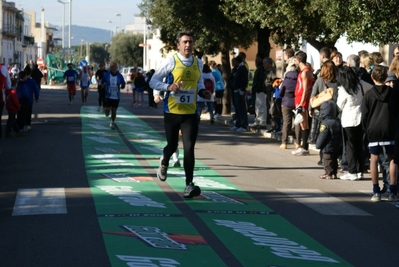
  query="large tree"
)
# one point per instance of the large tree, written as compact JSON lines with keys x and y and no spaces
{"x":214,"y":32}
{"x":320,"y":22}
{"x":125,"y":49}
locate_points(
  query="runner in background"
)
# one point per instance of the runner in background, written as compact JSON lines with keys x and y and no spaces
{"x":85,"y":84}
{"x":101,"y":93}
{"x":112,"y":83}
{"x":71,"y":77}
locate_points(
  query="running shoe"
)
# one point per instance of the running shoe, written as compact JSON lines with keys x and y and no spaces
{"x":176,"y":164}
{"x":392,"y":198}
{"x":241,"y":129}
{"x":349,"y":176}
{"x":191,"y":191}
{"x":112,"y":126}
{"x":234,"y":128}
{"x":162,"y":172}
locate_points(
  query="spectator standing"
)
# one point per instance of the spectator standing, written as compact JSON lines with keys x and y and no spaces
{"x":287,"y":102}
{"x":180,"y":106}
{"x":23,"y":98}
{"x":219,"y":89}
{"x":15,"y":70}
{"x":150,"y":91}
{"x":329,"y":139}
{"x":12,"y":106}
{"x":239,"y":85}
{"x":379,"y":124}
{"x":350,"y":97}
{"x":259,"y":95}
{"x":5,"y":83}
{"x":302,"y":96}
{"x":209,"y":84}
{"x":33,"y":92}
{"x":37,"y":76}
{"x":112,"y":82}
{"x":270,"y":76}
{"x":139,"y":84}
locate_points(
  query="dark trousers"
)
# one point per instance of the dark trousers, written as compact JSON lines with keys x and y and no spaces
{"x":1,"y":112}
{"x":189,"y":128}
{"x":28,"y":115}
{"x":288,"y":116}
{"x":12,"y":122}
{"x":241,"y":110}
{"x":219,"y":102}
{"x":354,"y":148}
{"x":330,"y":163}
{"x":151,"y":101}
{"x":22,"y":113}
{"x":101,"y":96}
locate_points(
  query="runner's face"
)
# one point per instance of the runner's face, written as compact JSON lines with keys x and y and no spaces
{"x":185,"y":45}
{"x":113,"y":68}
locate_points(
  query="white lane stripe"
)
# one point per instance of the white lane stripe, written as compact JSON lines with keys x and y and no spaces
{"x":322,"y":202}
{"x":37,"y":201}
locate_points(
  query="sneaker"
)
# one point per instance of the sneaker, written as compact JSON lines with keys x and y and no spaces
{"x":112,"y":126}
{"x":28,"y":127}
{"x":301,"y":152}
{"x":376,"y":197}
{"x":359,"y":176}
{"x":234,"y":128}
{"x":392,"y":198}
{"x":176,"y":164}
{"x":241,"y":129}
{"x":107,"y":113}
{"x":283,"y":146}
{"x":162,"y":172}
{"x":253,"y":125}
{"x":191,"y":191}
{"x":349,"y":176}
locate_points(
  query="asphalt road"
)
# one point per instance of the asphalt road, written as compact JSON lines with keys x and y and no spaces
{"x":337,"y":214}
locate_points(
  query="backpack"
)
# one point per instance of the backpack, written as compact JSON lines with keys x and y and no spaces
{"x":209,"y":85}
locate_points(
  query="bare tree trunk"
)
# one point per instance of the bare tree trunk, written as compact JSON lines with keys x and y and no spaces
{"x":263,"y":36}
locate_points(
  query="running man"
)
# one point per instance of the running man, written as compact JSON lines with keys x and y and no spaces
{"x":100,"y":89}
{"x":112,"y":83}
{"x":183,"y":73}
{"x":71,"y":77}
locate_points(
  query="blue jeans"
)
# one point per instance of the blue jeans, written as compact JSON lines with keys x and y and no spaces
{"x":200,"y":107}
{"x":241,"y":110}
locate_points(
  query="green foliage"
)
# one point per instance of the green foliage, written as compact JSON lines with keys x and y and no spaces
{"x":125,"y":49}
{"x":98,"y":53}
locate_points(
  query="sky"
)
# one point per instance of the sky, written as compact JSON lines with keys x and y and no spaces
{"x":89,"y":13}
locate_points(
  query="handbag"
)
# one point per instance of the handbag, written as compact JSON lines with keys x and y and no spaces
{"x":322,"y":97}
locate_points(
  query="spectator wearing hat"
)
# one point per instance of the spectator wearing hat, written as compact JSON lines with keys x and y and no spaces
{"x":139,"y":84}
{"x":391,"y":79}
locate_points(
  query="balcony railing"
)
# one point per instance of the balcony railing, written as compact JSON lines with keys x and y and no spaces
{"x":11,"y":30}
{"x":28,"y":40}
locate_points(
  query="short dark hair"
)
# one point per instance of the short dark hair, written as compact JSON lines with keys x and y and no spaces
{"x":242,"y":55}
{"x":22,"y":74}
{"x":301,"y":56}
{"x":183,"y":33}
{"x":289,"y":52}
{"x":326,"y":52}
{"x":238,"y":59}
{"x":379,"y":73}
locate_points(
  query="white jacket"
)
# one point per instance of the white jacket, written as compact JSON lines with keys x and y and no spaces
{"x":350,"y":107}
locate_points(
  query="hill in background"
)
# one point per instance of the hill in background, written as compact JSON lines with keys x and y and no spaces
{"x":88,"y":34}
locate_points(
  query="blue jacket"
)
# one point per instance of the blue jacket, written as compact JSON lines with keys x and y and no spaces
{"x":32,"y":90}
{"x":22,"y":90}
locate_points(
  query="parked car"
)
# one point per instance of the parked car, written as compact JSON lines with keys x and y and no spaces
{"x":128,"y":74}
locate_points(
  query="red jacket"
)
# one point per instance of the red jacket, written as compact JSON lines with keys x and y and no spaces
{"x":12,"y":102}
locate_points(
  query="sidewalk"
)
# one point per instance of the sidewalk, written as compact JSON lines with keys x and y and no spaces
{"x":228,"y":121}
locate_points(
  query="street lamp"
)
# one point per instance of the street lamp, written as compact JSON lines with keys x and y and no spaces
{"x":120,"y":18}
{"x":110,"y":32}
{"x":81,"y":47}
{"x":63,"y":21}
